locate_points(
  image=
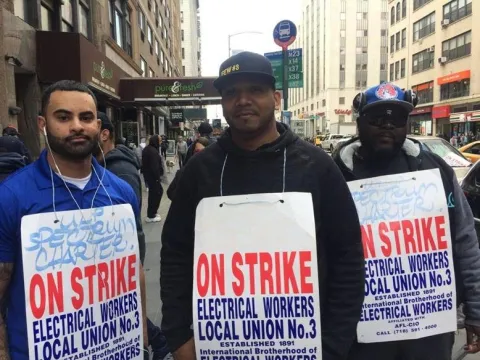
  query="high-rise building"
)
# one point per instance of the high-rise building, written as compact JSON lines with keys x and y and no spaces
{"x":190,"y":23}
{"x":345,"y":50}
{"x":431,"y":51}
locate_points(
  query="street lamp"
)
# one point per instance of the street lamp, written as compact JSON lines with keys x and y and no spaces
{"x":240,"y":33}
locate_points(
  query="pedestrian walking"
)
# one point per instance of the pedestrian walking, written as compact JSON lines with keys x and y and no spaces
{"x":181,"y":151}
{"x":164,"y":146}
{"x":12,"y":131}
{"x":152,"y":167}
{"x":254,"y":164}
{"x":123,"y":162}
{"x":12,"y":156}
{"x":65,"y":180}
{"x":382,"y":149}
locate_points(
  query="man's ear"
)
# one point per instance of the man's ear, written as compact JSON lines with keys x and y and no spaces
{"x":104,"y":135}
{"x":278,"y":100}
{"x":42,"y":123}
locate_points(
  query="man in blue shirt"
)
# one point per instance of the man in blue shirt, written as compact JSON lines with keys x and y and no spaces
{"x":65,"y":177}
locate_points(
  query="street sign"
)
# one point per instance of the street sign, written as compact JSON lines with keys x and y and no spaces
{"x":284,"y":33}
{"x":295,"y":68}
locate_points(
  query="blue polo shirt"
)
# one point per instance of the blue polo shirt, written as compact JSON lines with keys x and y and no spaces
{"x":29,"y":191}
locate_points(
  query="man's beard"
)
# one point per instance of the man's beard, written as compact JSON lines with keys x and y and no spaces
{"x":71,"y":151}
{"x":381,"y":154}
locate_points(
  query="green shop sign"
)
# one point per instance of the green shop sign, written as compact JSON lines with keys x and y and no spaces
{"x":179,"y":88}
{"x":101,"y":70}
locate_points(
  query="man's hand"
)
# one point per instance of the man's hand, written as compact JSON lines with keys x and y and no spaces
{"x":186,"y":351}
{"x":6,"y":270}
{"x":473,"y":334}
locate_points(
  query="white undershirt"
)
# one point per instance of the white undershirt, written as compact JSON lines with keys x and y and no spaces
{"x":80,"y":183}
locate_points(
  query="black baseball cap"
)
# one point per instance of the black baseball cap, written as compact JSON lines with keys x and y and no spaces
{"x":244,"y":63}
{"x":106,"y":123}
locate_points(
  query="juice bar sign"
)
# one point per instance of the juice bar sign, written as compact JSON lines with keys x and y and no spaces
{"x":102,"y":76}
{"x":180,"y":89}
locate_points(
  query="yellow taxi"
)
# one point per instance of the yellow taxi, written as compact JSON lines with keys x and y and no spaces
{"x":471,"y":151}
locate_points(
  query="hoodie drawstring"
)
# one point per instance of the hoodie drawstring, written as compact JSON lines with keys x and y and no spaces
{"x":283,"y":173}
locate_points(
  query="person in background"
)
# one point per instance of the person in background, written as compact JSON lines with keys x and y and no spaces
{"x":123,"y":162}
{"x":205,"y":130}
{"x":164,"y":146}
{"x":11,"y":156}
{"x":382,"y":148}
{"x":181,"y":151}
{"x":12,"y":131}
{"x":198,"y":145}
{"x":152,"y":167}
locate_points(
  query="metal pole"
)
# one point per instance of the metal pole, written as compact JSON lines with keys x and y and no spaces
{"x":285,"y":79}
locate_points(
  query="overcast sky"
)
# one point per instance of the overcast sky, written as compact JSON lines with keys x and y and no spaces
{"x":219,"y":18}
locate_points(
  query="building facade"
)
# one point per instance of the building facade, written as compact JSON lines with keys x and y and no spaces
{"x":191,"y":37}
{"x":345,"y":50}
{"x":431,"y":51}
{"x":98,"y":42}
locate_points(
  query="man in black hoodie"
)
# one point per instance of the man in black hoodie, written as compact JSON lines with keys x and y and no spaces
{"x":152,"y":169}
{"x":11,"y":156}
{"x":383,"y":148}
{"x":124,"y":163}
{"x":258,"y":150}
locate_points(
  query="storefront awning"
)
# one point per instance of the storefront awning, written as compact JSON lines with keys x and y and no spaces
{"x":71,"y":56}
{"x":465,"y":116}
{"x":169,"y":91}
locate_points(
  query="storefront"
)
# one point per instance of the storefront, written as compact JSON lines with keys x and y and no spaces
{"x":71,"y":56}
{"x":420,"y":121}
{"x":441,"y":114}
{"x":465,"y":123}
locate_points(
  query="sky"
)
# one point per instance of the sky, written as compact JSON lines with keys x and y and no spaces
{"x":219,"y":18}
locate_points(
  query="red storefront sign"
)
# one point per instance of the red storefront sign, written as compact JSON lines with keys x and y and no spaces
{"x":441,"y":111}
{"x":343,"y":112}
{"x":422,"y":110}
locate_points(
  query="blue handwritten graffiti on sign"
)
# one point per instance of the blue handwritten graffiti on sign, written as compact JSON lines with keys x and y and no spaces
{"x":74,"y":238}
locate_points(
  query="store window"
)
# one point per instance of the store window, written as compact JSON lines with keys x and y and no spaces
{"x":424,"y":27}
{"x":455,"y":90}
{"x":458,"y":46}
{"x":457,"y":9}
{"x":424,"y":92}
{"x":423,"y":60}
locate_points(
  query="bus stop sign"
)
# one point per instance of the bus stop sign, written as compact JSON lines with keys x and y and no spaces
{"x":284,"y":33}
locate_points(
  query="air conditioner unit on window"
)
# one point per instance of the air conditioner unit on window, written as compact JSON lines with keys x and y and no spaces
{"x":442,"y":60}
{"x":445,"y":22}
{"x":431,"y":49}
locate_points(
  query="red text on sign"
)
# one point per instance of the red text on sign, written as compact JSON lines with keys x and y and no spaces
{"x":406,"y":237}
{"x":90,"y":284}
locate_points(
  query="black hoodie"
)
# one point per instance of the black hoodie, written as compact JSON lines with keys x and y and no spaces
{"x":308,"y":169}
{"x":152,"y":164}
{"x":124,"y":163}
{"x":9,"y":163}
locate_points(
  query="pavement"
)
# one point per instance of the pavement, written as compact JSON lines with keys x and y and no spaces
{"x":153,"y":233}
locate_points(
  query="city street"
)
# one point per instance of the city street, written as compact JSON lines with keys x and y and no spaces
{"x":153,"y":233}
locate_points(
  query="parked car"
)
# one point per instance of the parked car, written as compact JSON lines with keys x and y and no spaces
{"x":331,"y":141}
{"x":471,"y":151}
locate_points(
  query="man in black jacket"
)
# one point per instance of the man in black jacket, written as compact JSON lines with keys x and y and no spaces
{"x":258,"y":148}
{"x":124,"y":163}
{"x":152,"y":168}
{"x":383,"y":149}
{"x":11,"y":156}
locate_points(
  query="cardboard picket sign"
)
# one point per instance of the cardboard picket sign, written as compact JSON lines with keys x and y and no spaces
{"x":81,"y":278}
{"x":255,"y":276}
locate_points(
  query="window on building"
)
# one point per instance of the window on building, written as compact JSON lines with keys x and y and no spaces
{"x":392,"y":15}
{"x":164,"y":32}
{"x":183,"y":35}
{"x":141,"y":21}
{"x":402,"y":68}
{"x":404,"y":9}
{"x":83,"y":18}
{"x":457,"y":9}
{"x":154,"y":5}
{"x":404,"y":38}
{"x":167,"y":12}
{"x":160,"y":21}
{"x":183,"y":70}
{"x":341,"y":100}
{"x":149,"y":35}
{"x":47,"y":14}
{"x":67,"y":16}
{"x":392,"y":44}
{"x":419,"y":3}
{"x":143,"y":66}
{"x":128,"y":32}
{"x":151,"y":73}
{"x":458,"y":46}
{"x":183,"y":53}
{"x":181,"y":17}
{"x":397,"y":47}
{"x":399,"y":14}
{"x":424,"y":92}
{"x":157,"y":47}
{"x":392,"y":72}
{"x":162,"y":57}
{"x":397,"y":70}
{"x":423,"y":60}
{"x":455,"y":90}
{"x":424,"y":27}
